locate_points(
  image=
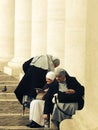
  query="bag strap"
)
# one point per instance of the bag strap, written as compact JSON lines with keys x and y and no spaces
{"x":56,"y":102}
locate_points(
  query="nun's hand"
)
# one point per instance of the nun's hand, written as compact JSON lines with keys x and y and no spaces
{"x":70,"y":91}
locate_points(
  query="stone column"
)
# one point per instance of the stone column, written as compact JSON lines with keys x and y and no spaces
{"x":56,"y":28}
{"x":75,"y":37}
{"x":39,"y":17}
{"x":22,"y":34}
{"x":92,"y":58}
{"x":6,"y":29}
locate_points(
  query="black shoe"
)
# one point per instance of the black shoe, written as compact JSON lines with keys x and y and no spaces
{"x":28,"y":125}
{"x":34,"y":125}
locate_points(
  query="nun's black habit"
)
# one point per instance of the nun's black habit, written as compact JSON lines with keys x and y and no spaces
{"x":35,"y":71}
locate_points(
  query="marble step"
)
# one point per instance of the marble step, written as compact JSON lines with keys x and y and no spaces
{"x":7,"y":77}
{"x":5,"y":96}
{"x":11,"y":107}
{"x":7,"y":80}
{"x":11,"y":122}
{"x":10,"y":87}
{"x":22,"y":128}
{"x":14,"y":120}
{"x":2,"y":73}
{"x":11,"y":111}
{"x":8,"y":83}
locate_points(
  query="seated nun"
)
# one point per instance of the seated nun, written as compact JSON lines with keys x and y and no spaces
{"x":37,"y":105}
{"x":64,"y":99}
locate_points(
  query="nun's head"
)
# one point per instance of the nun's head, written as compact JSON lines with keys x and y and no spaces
{"x":56,"y":62}
{"x":50,"y":76}
{"x":61,"y":74}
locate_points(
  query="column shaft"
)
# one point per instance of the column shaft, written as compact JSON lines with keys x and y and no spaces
{"x":39,"y":15}
{"x":56,"y":28}
{"x":22,"y":43}
{"x":75,"y":37}
{"x":6,"y":29}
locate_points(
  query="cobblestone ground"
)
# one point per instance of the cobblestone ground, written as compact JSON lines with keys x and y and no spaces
{"x":11,"y":114}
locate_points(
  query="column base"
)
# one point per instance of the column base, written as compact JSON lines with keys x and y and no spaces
{"x":3,"y":62}
{"x":14,"y":67}
{"x":15,"y":71}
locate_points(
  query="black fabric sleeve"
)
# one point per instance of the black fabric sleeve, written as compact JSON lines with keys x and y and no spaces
{"x":66,"y":98}
{"x":26,"y":65}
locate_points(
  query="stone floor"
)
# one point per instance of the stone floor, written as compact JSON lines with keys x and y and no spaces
{"x":11,"y":112}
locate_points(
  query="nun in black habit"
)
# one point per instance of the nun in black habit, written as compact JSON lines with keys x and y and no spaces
{"x":35,"y":70}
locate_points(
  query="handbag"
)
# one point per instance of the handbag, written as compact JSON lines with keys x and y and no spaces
{"x":40,"y":93}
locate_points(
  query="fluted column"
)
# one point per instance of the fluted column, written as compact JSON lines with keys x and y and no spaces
{"x":22,"y":37}
{"x":6,"y":29}
{"x":56,"y":28}
{"x":75,"y":37}
{"x":22,"y":34}
{"x":92,"y":57}
{"x":39,"y":15}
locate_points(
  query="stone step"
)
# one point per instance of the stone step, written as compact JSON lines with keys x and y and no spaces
{"x":14,"y":120}
{"x":11,"y":111}
{"x":11,"y":107}
{"x":5,"y":82}
{"x":16,"y":128}
{"x":2,"y":73}
{"x":9,"y":81}
{"x":7,"y":96}
{"x":10,"y":87}
{"x":7,"y":77}
{"x":22,"y":128}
